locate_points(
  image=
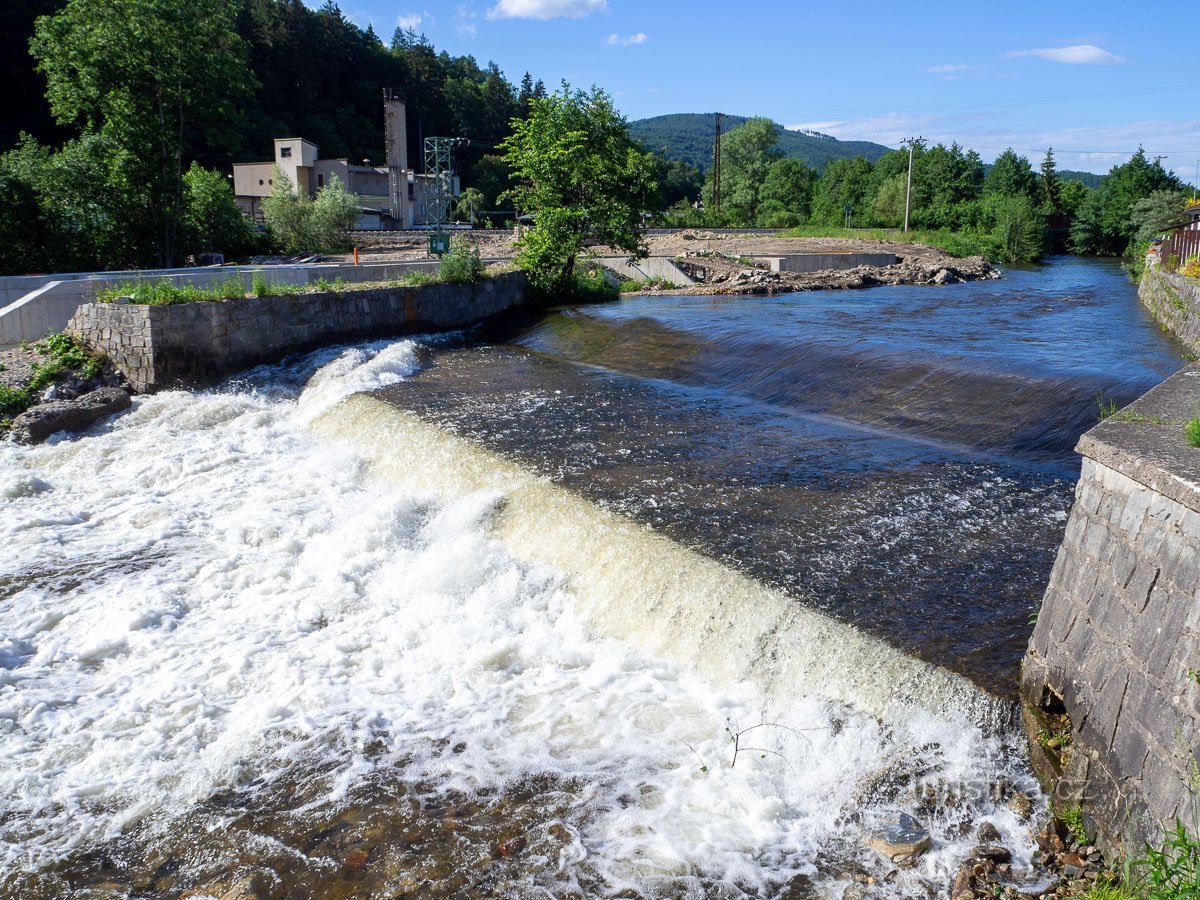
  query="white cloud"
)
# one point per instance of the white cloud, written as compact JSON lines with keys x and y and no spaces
{"x":1091,"y":149}
{"x":465,"y":17}
{"x":615,"y":40}
{"x":546,"y":9}
{"x":949,"y":69}
{"x":1079,"y":54}
{"x":409,"y":21}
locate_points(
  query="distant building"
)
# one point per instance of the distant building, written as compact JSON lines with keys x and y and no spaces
{"x":394,"y":196}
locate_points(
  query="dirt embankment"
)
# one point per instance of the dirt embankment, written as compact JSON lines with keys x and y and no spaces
{"x":723,"y":262}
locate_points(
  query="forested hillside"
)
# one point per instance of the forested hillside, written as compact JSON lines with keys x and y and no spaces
{"x":688,"y":137}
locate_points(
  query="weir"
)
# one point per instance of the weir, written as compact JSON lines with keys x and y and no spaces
{"x":667,"y":600}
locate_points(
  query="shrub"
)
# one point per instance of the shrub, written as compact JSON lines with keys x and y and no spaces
{"x":1192,"y":430}
{"x":1191,"y":269}
{"x":462,"y":263}
{"x":1169,"y":871}
{"x":301,"y":225}
{"x":163,"y":292}
{"x":13,"y":402}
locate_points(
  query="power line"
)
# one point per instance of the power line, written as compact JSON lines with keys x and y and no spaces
{"x":1010,"y":101}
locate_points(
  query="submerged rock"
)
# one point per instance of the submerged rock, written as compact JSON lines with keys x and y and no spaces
{"x":35,"y":425}
{"x":901,"y":840}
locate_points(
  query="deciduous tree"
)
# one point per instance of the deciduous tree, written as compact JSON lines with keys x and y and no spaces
{"x":581,"y":177}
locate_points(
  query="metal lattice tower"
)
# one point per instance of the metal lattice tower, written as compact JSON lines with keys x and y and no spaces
{"x":439,"y":166}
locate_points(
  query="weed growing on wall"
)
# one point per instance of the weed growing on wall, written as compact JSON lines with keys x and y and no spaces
{"x":1192,"y":431}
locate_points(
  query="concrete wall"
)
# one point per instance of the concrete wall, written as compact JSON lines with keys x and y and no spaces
{"x":32,"y":305}
{"x":1174,"y":301}
{"x":821,"y":262}
{"x":192,"y":343}
{"x":645,"y":269}
{"x":1120,"y":626}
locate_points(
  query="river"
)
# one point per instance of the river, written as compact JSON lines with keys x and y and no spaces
{"x":491,"y":629}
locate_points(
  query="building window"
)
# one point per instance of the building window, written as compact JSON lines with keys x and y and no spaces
{"x":320,"y":180}
{"x":285,"y":152}
{"x":260,"y":181}
{"x":412,"y":191}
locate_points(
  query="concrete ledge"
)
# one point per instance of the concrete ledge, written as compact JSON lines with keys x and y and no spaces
{"x":187,"y":344}
{"x":823,"y":262}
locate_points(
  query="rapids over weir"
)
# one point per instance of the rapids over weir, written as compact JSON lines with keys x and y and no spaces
{"x":674,"y":597}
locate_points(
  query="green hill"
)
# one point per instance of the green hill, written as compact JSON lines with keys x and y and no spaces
{"x":689,"y":137}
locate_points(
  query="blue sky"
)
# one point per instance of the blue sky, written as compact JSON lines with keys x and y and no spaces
{"x":1094,"y":80}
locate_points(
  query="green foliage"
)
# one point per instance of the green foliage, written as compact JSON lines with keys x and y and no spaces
{"x":1169,"y":871}
{"x":1155,"y":213}
{"x":1017,"y":226}
{"x":303,"y":225}
{"x":785,"y":198}
{"x":13,"y":402}
{"x":1072,"y":817}
{"x":581,"y":177}
{"x":69,"y":208}
{"x":163,"y":292}
{"x":957,"y":243}
{"x":461,"y":264}
{"x":212,"y":221}
{"x":844,"y":182}
{"x":63,"y":354}
{"x":149,"y":76}
{"x":1192,"y":432}
{"x":747,"y":156}
{"x":1012,"y":176}
{"x":1104,"y":223}
{"x":468,"y":205}
{"x":1048,"y":185}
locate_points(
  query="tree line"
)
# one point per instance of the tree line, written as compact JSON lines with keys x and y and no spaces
{"x":1007,"y":206}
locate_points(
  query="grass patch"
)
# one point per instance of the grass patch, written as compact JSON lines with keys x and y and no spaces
{"x":1170,"y":870}
{"x":1192,"y":431}
{"x":633,"y":286}
{"x":166,"y":293}
{"x":957,"y":243}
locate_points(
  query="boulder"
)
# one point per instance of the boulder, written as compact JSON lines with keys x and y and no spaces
{"x":900,"y":839}
{"x":35,"y":425}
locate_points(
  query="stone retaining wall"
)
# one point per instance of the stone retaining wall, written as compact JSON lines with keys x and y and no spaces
{"x":1119,"y":628}
{"x":1174,"y":301}
{"x":192,"y":343}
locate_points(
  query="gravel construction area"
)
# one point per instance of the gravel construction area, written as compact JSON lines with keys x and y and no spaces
{"x":399,"y":246}
{"x":16,"y":365}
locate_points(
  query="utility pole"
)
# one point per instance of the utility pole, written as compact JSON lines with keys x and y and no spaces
{"x":1196,"y":181}
{"x":716,"y":167}
{"x":912,"y":143}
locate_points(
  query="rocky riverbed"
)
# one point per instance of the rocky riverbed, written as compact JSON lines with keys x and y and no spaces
{"x":43,"y":392}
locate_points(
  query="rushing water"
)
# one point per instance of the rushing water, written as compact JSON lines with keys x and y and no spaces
{"x":900,"y":457}
{"x":262,"y":636}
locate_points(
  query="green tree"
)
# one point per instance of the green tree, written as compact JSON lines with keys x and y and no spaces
{"x":581,"y":177}
{"x":303,"y":225}
{"x":1156,"y":213}
{"x":747,"y":154}
{"x":1104,"y":224}
{"x":845,"y":182}
{"x":151,"y":76}
{"x":1049,"y":187}
{"x":469,"y":205}
{"x":1011,"y":176}
{"x":1018,"y":226}
{"x":211,"y":218}
{"x":887,"y":206}
{"x":785,"y":198}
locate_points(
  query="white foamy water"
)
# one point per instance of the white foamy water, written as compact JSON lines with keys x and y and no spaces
{"x":208,"y":592}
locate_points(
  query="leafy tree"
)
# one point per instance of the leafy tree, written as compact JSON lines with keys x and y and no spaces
{"x":151,"y":77}
{"x":469,"y":204}
{"x":747,"y":154}
{"x":887,"y":206}
{"x":1153,"y":215}
{"x":844,"y":182}
{"x":1018,"y":226}
{"x":1011,"y":176}
{"x":303,"y":225}
{"x":582,"y":179}
{"x":1071,"y":195}
{"x":1104,"y":224}
{"x":946,"y":181}
{"x":786,"y":194}
{"x":1049,"y":187}
{"x":211,"y":219}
